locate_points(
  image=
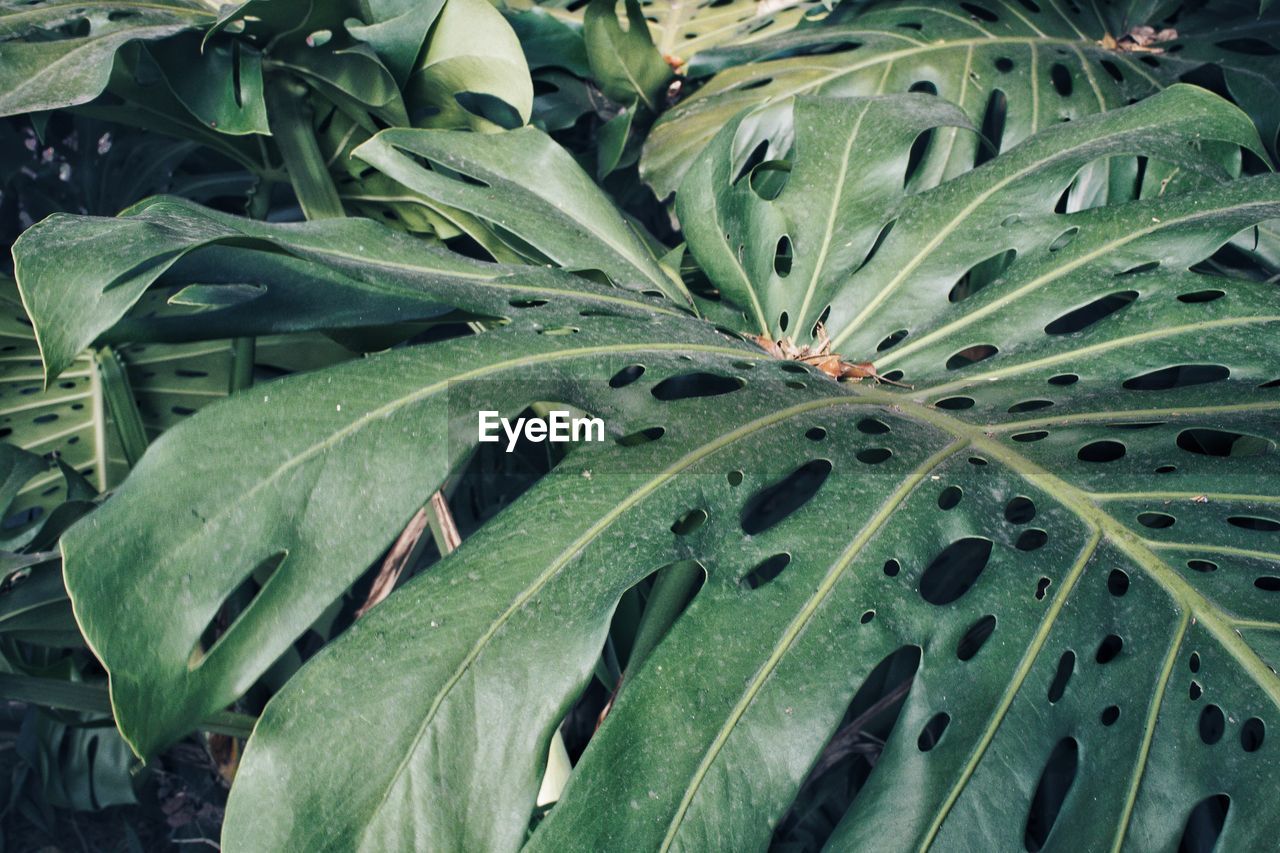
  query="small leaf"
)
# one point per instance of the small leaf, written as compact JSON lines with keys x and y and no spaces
{"x":624,"y":63}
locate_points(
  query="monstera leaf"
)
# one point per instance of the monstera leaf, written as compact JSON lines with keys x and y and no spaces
{"x":1013,"y":67}
{"x":1063,"y":536}
{"x":56,"y":54}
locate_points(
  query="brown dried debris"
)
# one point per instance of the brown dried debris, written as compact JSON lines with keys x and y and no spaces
{"x":1141,"y":39}
{"x":821,"y":357}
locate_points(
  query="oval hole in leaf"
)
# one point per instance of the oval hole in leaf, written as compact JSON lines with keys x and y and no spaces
{"x":1252,"y":734}
{"x":626,"y":376}
{"x":1055,"y":783}
{"x":1177,"y":376}
{"x":1064,"y":239}
{"x":1212,"y":725}
{"x":774,"y":503}
{"x":933,"y":731}
{"x":1066,"y":667}
{"x":1220,"y":442}
{"x":1060,"y":76}
{"x":782,"y":257}
{"x":1204,"y":825}
{"x":1199,"y":296}
{"x":1031,"y":540}
{"x":1254,"y":522}
{"x":689,"y":522}
{"x":1101,"y":451}
{"x":974,"y":639}
{"x":1156,"y":520}
{"x":1020,"y":510}
{"x":1029,"y":406}
{"x":687,"y":385}
{"x":1085,"y":316}
{"x":873,"y":455}
{"x":955,"y":570}
{"x":643,"y":436}
{"x":971,"y":355}
{"x":949,"y":497}
{"x":1109,"y":649}
{"x":993,"y":121}
{"x":769,"y":569}
{"x":892,"y":340}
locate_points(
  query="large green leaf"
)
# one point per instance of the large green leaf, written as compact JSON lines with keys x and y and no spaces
{"x":684,"y":28}
{"x":472,"y":74}
{"x":624,"y":62}
{"x":842,"y":241}
{"x":546,"y":202}
{"x":1013,"y":68}
{"x":1070,"y":518}
{"x":68,"y":321}
{"x":58,"y":53}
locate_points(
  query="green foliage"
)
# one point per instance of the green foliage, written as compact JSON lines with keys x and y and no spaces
{"x":1013,"y":68}
{"x":1016,"y":587}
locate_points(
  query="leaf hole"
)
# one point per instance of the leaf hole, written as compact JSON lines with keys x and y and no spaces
{"x":976,"y":637}
{"x":643,"y":436}
{"x":626,"y":376}
{"x":1031,"y":540}
{"x":892,"y":340}
{"x":1062,"y":676}
{"x":782,"y":257}
{"x":774,"y":503}
{"x":766,"y":571}
{"x":1177,"y":376}
{"x":1254,"y":522}
{"x":1220,"y":442}
{"x":1212,"y":725}
{"x":689,"y":522}
{"x":1042,"y":588}
{"x":873,"y":455}
{"x":1109,"y":649}
{"x":1101,"y":451}
{"x":950,"y":497}
{"x":933,"y":731}
{"x":1060,"y":76}
{"x":955,"y":570}
{"x":1082,"y":318}
{"x":1051,"y":791}
{"x":1020,"y":510}
{"x":688,"y":385}
{"x":971,"y":355}
{"x":1252,"y":734}
{"x":1204,"y":825}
